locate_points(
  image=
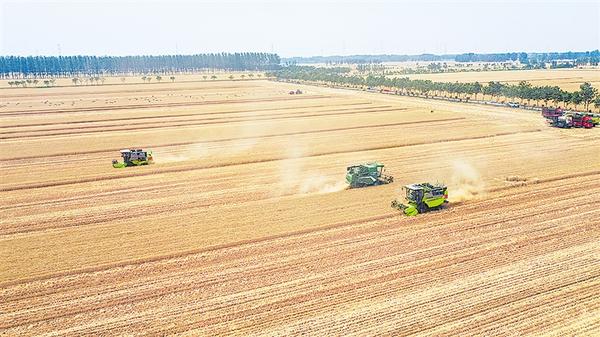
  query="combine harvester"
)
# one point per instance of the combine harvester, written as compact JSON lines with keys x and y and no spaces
{"x":134,"y":157}
{"x":581,"y":120}
{"x":369,"y":174}
{"x":558,"y":118}
{"x":422,"y":198}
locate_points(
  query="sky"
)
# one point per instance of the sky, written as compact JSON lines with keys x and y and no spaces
{"x":296,"y":28}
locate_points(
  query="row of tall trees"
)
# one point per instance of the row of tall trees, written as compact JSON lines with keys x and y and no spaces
{"x":366,"y":59}
{"x":586,"y":57}
{"x":524,"y":91}
{"x":51,"y":66}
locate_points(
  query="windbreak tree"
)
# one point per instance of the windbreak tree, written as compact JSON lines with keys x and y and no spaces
{"x":587,"y":93}
{"x":46,"y":66}
{"x":524,"y":91}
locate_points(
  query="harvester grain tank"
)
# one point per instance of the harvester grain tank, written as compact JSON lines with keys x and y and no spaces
{"x":369,"y":174}
{"x":422,"y":198}
{"x":134,"y":157}
{"x":551,"y":113}
{"x":557,"y":118}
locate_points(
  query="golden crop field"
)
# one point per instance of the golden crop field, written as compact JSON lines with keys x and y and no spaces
{"x":244,"y":226}
{"x":566,"y":79}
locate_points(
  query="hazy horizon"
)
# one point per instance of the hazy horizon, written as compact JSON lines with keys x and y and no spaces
{"x":296,"y":28}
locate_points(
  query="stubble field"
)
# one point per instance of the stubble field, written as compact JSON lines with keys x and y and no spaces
{"x":243,"y":226}
{"x":566,"y":79}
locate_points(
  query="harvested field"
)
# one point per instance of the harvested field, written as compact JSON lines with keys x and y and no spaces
{"x":244,"y":225}
{"x":566,"y":79}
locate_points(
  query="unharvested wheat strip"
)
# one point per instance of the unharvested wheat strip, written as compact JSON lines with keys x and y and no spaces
{"x":341,"y":106}
{"x":271,"y":159}
{"x":200,"y":116}
{"x":163,"y":228}
{"x":23,"y":223}
{"x":122,"y":91}
{"x":31,"y":134}
{"x":152,"y":106}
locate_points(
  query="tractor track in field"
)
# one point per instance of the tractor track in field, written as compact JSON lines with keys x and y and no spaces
{"x":154,"y":106}
{"x":481,"y":226}
{"x":102,"y":218}
{"x":88,"y":121}
{"x":550,"y":190}
{"x":20,"y":162}
{"x":441,"y":121}
{"x":137,"y":91}
{"x":174,"y":290}
{"x":187,"y":253}
{"x":151,"y":293}
{"x":265,"y":160}
{"x":202,"y":122}
{"x":293,"y":248}
{"x":149,"y":187}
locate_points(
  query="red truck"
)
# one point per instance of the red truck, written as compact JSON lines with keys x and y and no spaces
{"x":582,"y":121}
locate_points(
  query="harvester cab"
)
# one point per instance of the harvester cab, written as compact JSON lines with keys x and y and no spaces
{"x":134,"y":157}
{"x":422,"y":198}
{"x":369,"y":174}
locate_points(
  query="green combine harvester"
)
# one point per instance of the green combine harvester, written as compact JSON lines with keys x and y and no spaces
{"x":369,"y":174}
{"x":422,"y":198}
{"x":134,"y":157}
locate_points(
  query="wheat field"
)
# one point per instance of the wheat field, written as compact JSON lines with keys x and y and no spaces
{"x":244,"y":226}
{"x":566,"y":79}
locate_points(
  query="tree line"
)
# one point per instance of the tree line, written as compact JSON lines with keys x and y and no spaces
{"x":366,"y":59}
{"x":586,"y":57}
{"x":61,"y":66}
{"x":524,"y":91}
{"x":98,"y":80}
